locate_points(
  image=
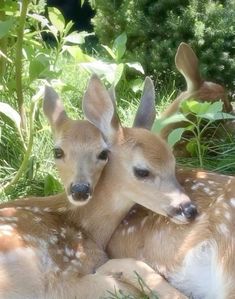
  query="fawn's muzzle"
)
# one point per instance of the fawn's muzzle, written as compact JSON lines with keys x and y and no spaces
{"x":80,"y":191}
{"x":189,"y":210}
{"x":183,"y":213}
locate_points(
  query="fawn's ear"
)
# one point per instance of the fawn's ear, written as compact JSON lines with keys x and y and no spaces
{"x":146,"y":112}
{"x":99,"y":109}
{"x":53,"y":107}
{"x":186,"y":62}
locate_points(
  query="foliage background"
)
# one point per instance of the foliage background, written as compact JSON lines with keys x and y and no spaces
{"x":155,"y":29}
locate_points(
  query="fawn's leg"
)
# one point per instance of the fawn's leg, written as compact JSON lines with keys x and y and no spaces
{"x":124,"y":270}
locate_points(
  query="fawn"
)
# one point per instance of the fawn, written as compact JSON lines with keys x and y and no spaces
{"x":198,"y":258}
{"x":50,"y":247}
{"x":186,"y":62}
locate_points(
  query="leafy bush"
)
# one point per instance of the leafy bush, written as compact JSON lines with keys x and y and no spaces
{"x":201,"y":122}
{"x":155,"y":29}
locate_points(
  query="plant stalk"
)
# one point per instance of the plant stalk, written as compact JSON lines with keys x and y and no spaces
{"x":3,"y":46}
{"x":19,"y":64}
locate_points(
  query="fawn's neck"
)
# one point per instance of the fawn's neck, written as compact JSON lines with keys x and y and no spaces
{"x":106,"y":209}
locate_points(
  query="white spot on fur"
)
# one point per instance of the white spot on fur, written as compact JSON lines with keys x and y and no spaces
{"x":78,"y":254}
{"x":37,"y":219}
{"x":69,"y":252}
{"x":207,"y":190}
{"x":76,"y":262}
{"x":223,"y":228}
{"x":197,"y":186}
{"x":53,"y":239}
{"x":225,"y":205}
{"x":220,"y":198}
{"x":63,"y":232}
{"x":27,"y":208}
{"x":62,"y":209}
{"x":227,"y":215}
{"x":232,"y":201}
{"x":6,"y":229}
{"x":217,"y":212}
{"x":79,"y":235}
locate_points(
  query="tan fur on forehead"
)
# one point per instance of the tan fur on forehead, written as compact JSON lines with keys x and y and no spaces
{"x":153,"y":147}
{"x":79,"y":130}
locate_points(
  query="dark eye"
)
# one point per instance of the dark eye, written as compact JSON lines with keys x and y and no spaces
{"x":103,"y":155}
{"x":141,"y":173}
{"x":58,"y":153}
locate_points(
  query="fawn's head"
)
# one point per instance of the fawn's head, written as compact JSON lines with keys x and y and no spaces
{"x":80,"y":151}
{"x":141,"y":166}
{"x":186,"y":62}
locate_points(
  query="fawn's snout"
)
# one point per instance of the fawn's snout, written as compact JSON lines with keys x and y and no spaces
{"x":188,"y":210}
{"x":80,"y":192}
{"x":184,"y":212}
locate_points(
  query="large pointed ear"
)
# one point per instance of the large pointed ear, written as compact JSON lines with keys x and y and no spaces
{"x":53,"y":107}
{"x":146,"y":112}
{"x":98,"y":108}
{"x":186,"y":62}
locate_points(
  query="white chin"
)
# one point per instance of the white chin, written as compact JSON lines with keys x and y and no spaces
{"x":78,"y":203}
{"x":179,"y":220}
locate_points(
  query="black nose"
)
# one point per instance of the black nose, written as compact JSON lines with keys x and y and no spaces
{"x":189,"y":210}
{"x":80,"y":191}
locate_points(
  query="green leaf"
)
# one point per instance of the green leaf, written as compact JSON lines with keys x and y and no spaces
{"x":77,"y":37}
{"x":68,"y":27}
{"x":195,"y":107}
{"x":191,"y":147}
{"x":175,"y":136}
{"x":39,"y":18}
{"x":217,"y":116}
{"x":56,"y":18}
{"x":118,"y":73}
{"x":5,"y":27}
{"x":137,"y":66}
{"x":77,"y":53}
{"x":51,"y":185}
{"x":102,"y":69}
{"x":137,"y":85}
{"x":119,"y":46}
{"x":161,"y":123}
{"x":37,"y":66}
{"x":11,"y":113}
{"x":111,"y":53}
{"x":215,"y":107}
